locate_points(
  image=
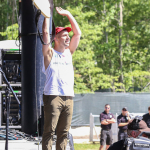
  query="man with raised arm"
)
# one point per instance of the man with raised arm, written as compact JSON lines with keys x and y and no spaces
{"x":58,"y":90}
{"x":106,"y":120}
{"x":123,"y":120}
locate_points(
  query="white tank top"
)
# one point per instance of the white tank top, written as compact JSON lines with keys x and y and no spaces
{"x":59,"y":74}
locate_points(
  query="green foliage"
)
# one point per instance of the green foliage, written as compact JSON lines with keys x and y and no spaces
{"x":88,"y":76}
{"x":97,"y":60}
{"x":11,"y":32}
{"x":8,"y":18}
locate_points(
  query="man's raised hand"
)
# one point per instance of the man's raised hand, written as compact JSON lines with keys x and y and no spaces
{"x":62,"y":11}
{"x":75,"y":28}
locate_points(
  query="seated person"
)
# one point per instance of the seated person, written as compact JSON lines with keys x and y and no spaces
{"x":132,"y":132}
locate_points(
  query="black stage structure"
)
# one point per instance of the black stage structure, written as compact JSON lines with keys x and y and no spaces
{"x":32,"y":61}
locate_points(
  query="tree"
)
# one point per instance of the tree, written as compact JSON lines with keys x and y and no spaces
{"x":114,"y":56}
{"x":114,"y":50}
{"x":8,"y":12}
{"x":11,"y":32}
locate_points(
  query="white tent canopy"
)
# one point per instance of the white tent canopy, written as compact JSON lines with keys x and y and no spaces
{"x":9,"y":44}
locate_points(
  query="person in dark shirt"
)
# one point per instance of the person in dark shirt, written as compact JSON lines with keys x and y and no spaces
{"x":132,"y":132}
{"x":146,"y":117}
{"x":106,"y":119}
{"x":123,"y":120}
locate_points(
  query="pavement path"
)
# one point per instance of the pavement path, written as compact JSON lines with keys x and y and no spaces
{"x":80,"y":135}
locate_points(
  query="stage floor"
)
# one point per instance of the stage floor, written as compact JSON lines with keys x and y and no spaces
{"x":24,"y":145}
{"x":20,"y":145}
{"x":80,"y":135}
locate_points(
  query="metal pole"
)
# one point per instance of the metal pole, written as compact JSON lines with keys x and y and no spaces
{"x":7,"y":118}
{"x":32,"y":61}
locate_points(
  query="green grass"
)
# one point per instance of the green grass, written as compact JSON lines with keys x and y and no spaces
{"x":85,"y":146}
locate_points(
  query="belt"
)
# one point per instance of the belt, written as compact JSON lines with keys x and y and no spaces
{"x":123,"y":130}
{"x":106,"y":129}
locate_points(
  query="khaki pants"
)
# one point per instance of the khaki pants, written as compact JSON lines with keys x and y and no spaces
{"x":57,"y":113}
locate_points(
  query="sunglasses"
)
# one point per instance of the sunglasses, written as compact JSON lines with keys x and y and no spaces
{"x":124,"y":109}
{"x":107,"y":108}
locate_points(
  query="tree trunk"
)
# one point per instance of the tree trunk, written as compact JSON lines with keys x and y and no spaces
{"x":120,"y":41}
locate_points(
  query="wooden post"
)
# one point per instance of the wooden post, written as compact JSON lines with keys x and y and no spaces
{"x":91,"y":127}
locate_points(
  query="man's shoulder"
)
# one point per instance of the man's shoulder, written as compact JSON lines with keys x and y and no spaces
{"x":146,"y":115}
{"x":117,"y":145}
{"x":102,"y":113}
{"x":111,"y":113}
{"x":120,"y":116}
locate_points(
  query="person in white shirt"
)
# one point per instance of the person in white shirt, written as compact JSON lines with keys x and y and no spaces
{"x":58,"y":90}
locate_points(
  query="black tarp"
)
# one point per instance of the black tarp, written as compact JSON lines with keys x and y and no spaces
{"x":84,"y":104}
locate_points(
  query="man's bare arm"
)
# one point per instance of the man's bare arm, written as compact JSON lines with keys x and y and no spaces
{"x":47,"y":52}
{"x":46,"y":37}
{"x":123,"y":124}
{"x":75,"y":28}
{"x":76,"y":34}
{"x":128,"y":116}
{"x":104,"y":122}
{"x":111,"y":120}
